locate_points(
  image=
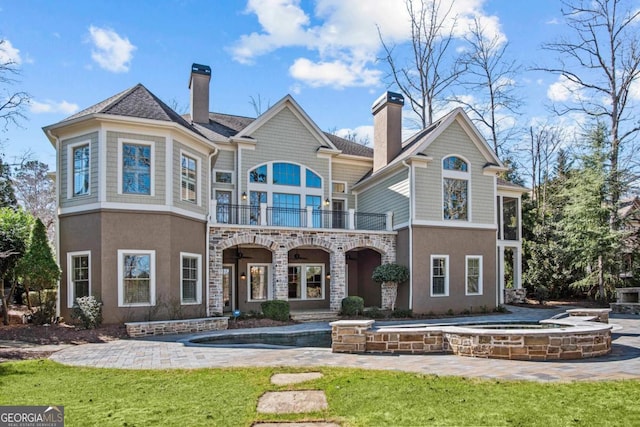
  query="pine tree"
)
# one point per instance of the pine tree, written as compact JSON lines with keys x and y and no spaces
{"x":7,"y":194}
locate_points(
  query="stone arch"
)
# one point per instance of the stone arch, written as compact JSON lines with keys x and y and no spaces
{"x":386,"y":249}
{"x":246,"y":239}
{"x":310,"y":241}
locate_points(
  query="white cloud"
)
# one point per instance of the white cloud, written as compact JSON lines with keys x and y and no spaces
{"x":336,"y":73}
{"x":564,"y":90}
{"x":634,"y":90}
{"x":49,"y":106}
{"x":362,"y":134}
{"x":9,"y":54}
{"x":111,"y":51}
{"x":341,"y":36}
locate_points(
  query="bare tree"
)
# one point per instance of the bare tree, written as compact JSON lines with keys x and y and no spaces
{"x":600,"y":63}
{"x":544,"y":142}
{"x":36,"y":193}
{"x":425,"y":79}
{"x":12,"y":102}
{"x":490,"y":77}
{"x":256,"y":103}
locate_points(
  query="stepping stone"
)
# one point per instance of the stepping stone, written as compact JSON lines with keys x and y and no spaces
{"x":292,"y":402}
{"x":303,"y":424}
{"x":284,"y":379}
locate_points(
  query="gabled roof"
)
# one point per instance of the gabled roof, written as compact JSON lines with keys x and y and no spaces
{"x":228,"y":126}
{"x":136,"y":102}
{"x":629,"y":206}
{"x":421,"y":141}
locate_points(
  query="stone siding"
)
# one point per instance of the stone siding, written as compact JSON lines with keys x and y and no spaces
{"x":169,"y":327}
{"x":355,"y":336}
{"x":280,"y":241}
{"x":515,"y":296}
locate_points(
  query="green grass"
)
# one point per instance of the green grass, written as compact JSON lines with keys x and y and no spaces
{"x":228,"y":397}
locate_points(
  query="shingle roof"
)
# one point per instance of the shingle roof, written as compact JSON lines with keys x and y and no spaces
{"x":137,"y":102}
{"x":504,"y":183}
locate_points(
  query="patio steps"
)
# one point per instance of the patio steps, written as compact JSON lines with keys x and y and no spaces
{"x":314,"y":316}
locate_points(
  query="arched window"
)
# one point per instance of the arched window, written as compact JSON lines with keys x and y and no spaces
{"x":287,"y":188}
{"x":455,"y":188}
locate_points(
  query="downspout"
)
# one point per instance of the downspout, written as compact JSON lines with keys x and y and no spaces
{"x":411,"y":201}
{"x":206,"y":237}
{"x":57,"y":220}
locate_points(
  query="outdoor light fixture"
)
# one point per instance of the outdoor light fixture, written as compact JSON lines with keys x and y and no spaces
{"x":328,"y":276}
{"x":243,"y":276}
{"x":244,"y":195}
{"x":326,"y":202}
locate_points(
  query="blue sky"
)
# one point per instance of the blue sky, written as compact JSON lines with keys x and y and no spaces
{"x":73,"y":54}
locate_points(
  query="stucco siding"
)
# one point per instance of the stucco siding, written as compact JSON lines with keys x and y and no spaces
{"x":65,"y":167}
{"x":454,"y":141}
{"x":159,"y":164}
{"x":202,"y":185}
{"x":104,"y":233}
{"x":390,"y":194}
{"x":457,"y":244}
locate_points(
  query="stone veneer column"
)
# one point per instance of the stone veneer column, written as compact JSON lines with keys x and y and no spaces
{"x":281,"y":273}
{"x":338,"y":287}
{"x":215,"y":281}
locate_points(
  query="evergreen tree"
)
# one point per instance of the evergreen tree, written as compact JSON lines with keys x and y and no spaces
{"x":7,"y":194}
{"x":38,"y":268}
{"x":585,"y":227}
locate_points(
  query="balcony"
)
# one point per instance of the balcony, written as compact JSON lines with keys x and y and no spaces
{"x":309,"y":217}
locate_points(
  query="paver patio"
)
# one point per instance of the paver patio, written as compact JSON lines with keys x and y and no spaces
{"x":167,"y":353}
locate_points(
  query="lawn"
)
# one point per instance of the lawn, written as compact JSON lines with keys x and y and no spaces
{"x":228,"y":397}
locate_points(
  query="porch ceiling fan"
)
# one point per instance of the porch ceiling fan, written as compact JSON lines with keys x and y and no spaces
{"x":240,"y":255}
{"x":297,"y":256}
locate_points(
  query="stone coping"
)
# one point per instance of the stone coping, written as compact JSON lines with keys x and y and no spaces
{"x":589,"y":310}
{"x":173,"y":322}
{"x":568,"y":326}
{"x":348,"y":323}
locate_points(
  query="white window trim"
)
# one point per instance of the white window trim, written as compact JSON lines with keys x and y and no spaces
{"x":198,"y":279}
{"x":152,"y":171}
{"x":446,"y":278}
{"x":152,"y":278}
{"x":197,"y":159}
{"x":269,"y":187}
{"x":453,"y":174}
{"x":269,"y":273}
{"x":233,"y":176}
{"x":346,"y":187}
{"x":466,"y":274}
{"x":303,"y":281}
{"x":71,"y":298}
{"x":70,"y":162}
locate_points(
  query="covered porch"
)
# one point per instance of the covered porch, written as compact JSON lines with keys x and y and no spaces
{"x":313,"y":270}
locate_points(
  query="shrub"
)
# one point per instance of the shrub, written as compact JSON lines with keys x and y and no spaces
{"x":88,"y":311}
{"x":541,"y":293}
{"x":276,"y":310}
{"x":45,"y":301}
{"x":500,"y":309}
{"x":390,"y":273}
{"x":402,"y":313}
{"x":375,"y":313}
{"x":450,"y":312}
{"x":352,"y":306}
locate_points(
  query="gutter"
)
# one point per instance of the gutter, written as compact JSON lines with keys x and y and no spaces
{"x":215,"y":152}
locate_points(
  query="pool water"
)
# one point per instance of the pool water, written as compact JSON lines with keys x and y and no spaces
{"x":320,"y":339}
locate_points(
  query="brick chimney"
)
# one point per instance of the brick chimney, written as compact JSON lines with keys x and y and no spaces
{"x":199,"y":85}
{"x":387,"y":129}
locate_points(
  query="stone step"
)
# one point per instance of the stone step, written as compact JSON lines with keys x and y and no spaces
{"x":314,"y":316}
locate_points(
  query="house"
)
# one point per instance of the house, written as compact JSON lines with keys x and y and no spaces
{"x":163,"y":216}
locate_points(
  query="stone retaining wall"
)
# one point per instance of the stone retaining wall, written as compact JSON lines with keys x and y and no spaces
{"x":169,"y":327}
{"x":577,"y":342}
{"x":625,"y":308}
{"x":515,"y":296}
{"x":530,"y":347}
